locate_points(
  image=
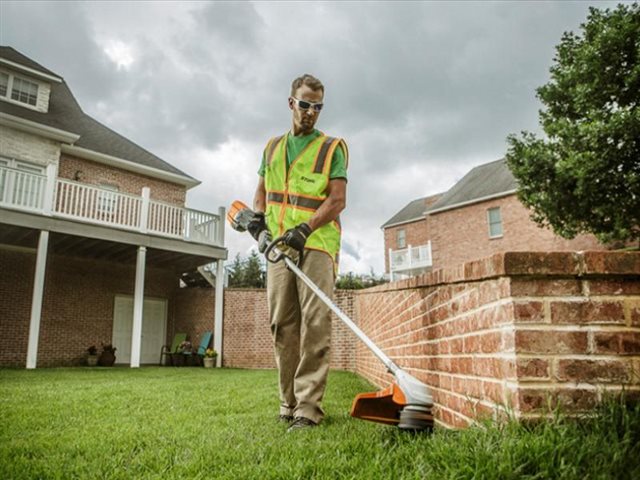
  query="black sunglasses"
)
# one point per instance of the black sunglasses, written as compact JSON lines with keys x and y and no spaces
{"x":307,"y":105}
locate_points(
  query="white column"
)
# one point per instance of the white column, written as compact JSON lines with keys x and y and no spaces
{"x":220,"y":231}
{"x":138,"y":302}
{"x":36,"y":301}
{"x":218,"y":322}
{"x":144,"y":210}
{"x":50,"y":188}
{"x":390,"y":266}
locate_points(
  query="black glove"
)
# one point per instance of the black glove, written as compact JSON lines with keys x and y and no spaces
{"x":264,"y":239}
{"x":257,"y":225}
{"x":297,"y":237}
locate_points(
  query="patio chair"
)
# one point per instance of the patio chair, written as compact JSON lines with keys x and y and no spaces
{"x":178,"y":338}
{"x":198,"y":355}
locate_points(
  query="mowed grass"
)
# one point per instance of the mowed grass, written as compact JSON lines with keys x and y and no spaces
{"x":176,"y":423}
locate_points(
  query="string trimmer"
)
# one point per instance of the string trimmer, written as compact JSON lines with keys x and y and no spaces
{"x":407,"y":402}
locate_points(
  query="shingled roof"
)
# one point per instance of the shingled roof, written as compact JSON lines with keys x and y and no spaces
{"x":65,"y":114}
{"x":413,"y":211}
{"x":486,"y":181}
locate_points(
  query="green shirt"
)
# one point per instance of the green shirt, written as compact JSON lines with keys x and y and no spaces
{"x":295,"y":145}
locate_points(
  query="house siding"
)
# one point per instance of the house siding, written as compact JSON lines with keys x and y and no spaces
{"x":462,"y":234}
{"x":94,"y":173}
{"x":27,"y":147}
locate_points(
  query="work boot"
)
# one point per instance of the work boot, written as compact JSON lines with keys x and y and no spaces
{"x":285,"y":418}
{"x":300,"y":423}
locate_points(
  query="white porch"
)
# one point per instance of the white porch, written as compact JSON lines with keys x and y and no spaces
{"x":410,"y":261}
{"x":48,"y":215}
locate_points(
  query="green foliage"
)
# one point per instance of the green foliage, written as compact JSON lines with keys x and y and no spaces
{"x":351,"y":281}
{"x":585,"y":176}
{"x":248,"y":272}
{"x":175,"y":423}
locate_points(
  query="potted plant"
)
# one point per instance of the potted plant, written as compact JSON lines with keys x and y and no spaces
{"x":209,"y":357}
{"x":108,"y":355}
{"x":92,"y":356}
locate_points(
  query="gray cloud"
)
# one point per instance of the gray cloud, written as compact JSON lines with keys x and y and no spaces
{"x":422,"y":91}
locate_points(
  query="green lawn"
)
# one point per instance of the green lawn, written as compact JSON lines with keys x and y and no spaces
{"x":197,"y":423}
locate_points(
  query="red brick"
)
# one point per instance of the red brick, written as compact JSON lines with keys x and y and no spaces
{"x":593,"y":371}
{"x":577,"y":399}
{"x":533,"y":368}
{"x":619,"y":263}
{"x":587,"y":312}
{"x":541,"y":287}
{"x":528,"y":312}
{"x":530,"y":399}
{"x":621,"y":343}
{"x":613,"y":286}
{"x":549,"y":341}
{"x":541,"y":263}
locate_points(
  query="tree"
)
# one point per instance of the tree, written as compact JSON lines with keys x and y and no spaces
{"x":585,"y":176}
{"x":351,"y":281}
{"x":247,"y":273}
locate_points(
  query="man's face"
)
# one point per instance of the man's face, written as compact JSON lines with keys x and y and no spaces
{"x":305,"y":120}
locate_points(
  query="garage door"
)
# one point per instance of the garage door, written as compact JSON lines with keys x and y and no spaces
{"x":154,"y":324}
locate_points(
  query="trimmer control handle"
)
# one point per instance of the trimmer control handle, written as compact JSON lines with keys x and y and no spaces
{"x":274,"y":254}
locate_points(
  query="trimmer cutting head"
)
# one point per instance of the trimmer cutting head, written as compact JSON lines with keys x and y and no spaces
{"x":409,"y":408}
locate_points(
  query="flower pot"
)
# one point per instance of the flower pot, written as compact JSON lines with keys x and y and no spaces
{"x":107,"y":359}
{"x":92,"y":360}
{"x":209,"y":362}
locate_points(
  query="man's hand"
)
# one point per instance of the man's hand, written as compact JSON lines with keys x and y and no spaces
{"x":264,"y":239}
{"x":257,"y":225}
{"x":297,"y":237}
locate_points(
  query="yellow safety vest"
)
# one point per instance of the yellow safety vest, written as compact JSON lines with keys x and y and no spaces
{"x":295,"y":194}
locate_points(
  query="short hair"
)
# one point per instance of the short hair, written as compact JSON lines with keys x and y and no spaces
{"x":309,"y":80}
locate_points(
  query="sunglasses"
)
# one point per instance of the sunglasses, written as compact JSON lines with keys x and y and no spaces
{"x":307,"y":105}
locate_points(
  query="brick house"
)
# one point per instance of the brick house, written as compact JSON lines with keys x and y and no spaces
{"x":479,"y":216}
{"x":94,"y":233}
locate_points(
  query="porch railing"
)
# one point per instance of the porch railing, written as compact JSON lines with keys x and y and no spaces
{"x":410,"y":258}
{"x":64,"y":198}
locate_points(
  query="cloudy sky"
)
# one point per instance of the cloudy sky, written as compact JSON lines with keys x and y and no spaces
{"x":422,"y":92}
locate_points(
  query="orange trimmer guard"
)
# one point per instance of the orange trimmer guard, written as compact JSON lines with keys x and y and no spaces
{"x":383,"y":406}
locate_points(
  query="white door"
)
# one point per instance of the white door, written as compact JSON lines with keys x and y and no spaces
{"x":154,"y":324}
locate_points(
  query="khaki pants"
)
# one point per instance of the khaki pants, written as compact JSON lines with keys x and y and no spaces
{"x":301,"y":329}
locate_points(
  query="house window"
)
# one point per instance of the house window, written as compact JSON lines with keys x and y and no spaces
{"x":24,"y":91}
{"x":107,"y":198}
{"x":4,"y":84}
{"x":401,"y":238}
{"x":495,"y":222}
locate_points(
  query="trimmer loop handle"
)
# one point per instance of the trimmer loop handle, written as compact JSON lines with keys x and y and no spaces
{"x":274,"y":255}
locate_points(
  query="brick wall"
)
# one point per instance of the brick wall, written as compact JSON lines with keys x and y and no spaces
{"x":94,"y":173}
{"x":77,"y":308}
{"x":247,"y":335}
{"x":514,"y":329}
{"x":194,"y":314}
{"x":462,"y":234}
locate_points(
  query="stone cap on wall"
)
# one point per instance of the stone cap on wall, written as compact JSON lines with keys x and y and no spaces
{"x":530,"y":264}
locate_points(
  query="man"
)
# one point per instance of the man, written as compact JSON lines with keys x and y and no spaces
{"x":301,"y":191}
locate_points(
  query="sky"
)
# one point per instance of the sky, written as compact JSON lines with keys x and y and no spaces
{"x":421,"y":91}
